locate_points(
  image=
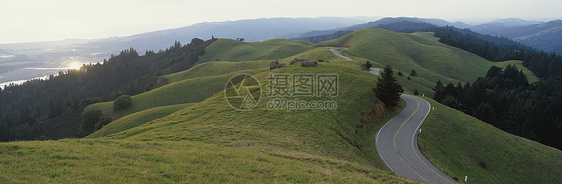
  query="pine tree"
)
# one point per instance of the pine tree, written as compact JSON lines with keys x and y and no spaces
{"x":368,"y":65}
{"x":413,"y":73}
{"x":388,"y":90}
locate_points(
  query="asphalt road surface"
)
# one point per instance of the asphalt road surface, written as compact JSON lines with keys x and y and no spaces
{"x":375,"y":70}
{"x":339,"y":55}
{"x":397,"y":144}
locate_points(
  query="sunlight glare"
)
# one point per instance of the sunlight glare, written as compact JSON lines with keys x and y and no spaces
{"x":74,"y":66}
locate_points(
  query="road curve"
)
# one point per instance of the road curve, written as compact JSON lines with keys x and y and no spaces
{"x":397,"y":144}
{"x":375,"y":70}
{"x":339,"y":55}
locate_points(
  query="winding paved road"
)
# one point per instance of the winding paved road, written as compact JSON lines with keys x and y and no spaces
{"x":375,"y":70}
{"x":397,"y":144}
{"x":397,"y":141}
{"x":338,"y":54}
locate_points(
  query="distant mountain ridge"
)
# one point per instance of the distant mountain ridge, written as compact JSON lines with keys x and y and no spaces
{"x":383,"y":21}
{"x":505,"y":27}
{"x":251,"y":30}
{"x":545,"y":36}
{"x":509,"y":22}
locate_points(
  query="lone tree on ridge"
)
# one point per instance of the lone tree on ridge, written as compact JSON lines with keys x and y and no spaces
{"x":388,"y":90}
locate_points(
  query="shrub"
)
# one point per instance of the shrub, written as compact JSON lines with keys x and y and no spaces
{"x":482,"y":164}
{"x":123,"y":102}
{"x":104,"y":120}
{"x":368,"y":65}
{"x":89,"y":120}
{"x":413,"y":73}
{"x":89,"y":101}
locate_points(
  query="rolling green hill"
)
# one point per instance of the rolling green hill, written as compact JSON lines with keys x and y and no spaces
{"x":422,"y":52}
{"x":183,"y":83}
{"x":214,"y":68}
{"x":136,"y":119}
{"x":470,"y":147}
{"x":180,"y":92}
{"x":200,"y":82}
{"x":232,"y":50}
{"x":189,"y":86}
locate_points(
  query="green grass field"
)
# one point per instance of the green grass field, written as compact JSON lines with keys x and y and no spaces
{"x":232,"y":50}
{"x":136,"y":119}
{"x":422,"y":52}
{"x":461,"y":145}
{"x":214,"y":68}
{"x":185,"y":91}
{"x":108,"y":161}
{"x":200,"y":82}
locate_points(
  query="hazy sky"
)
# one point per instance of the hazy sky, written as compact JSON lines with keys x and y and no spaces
{"x":40,"y":20}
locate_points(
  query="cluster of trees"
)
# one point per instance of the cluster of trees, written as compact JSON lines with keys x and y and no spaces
{"x":490,"y":48}
{"x":543,"y":64}
{"x":123,"y":102}
{"x":91,"y":121}
{"x":505,"y":99}
{"x":33,"y":109}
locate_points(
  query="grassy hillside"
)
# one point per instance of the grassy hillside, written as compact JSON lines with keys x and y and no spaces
{"x":403,"y":51}
{"x":210,"y":141}
{"x":461,"y":145}
{"x":136,"y":119}
{"x":214,"y":68}
{"x":422,"y":52}
{"x":193,"y":85}
{"x":232,"y":50}
{"x":202,"y":81}
{"x":519,"y":64}
{"x":107,"y":161}
{"x":180,"y":92}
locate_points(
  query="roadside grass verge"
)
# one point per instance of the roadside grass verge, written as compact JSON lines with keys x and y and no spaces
{"x":461,"y":145}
